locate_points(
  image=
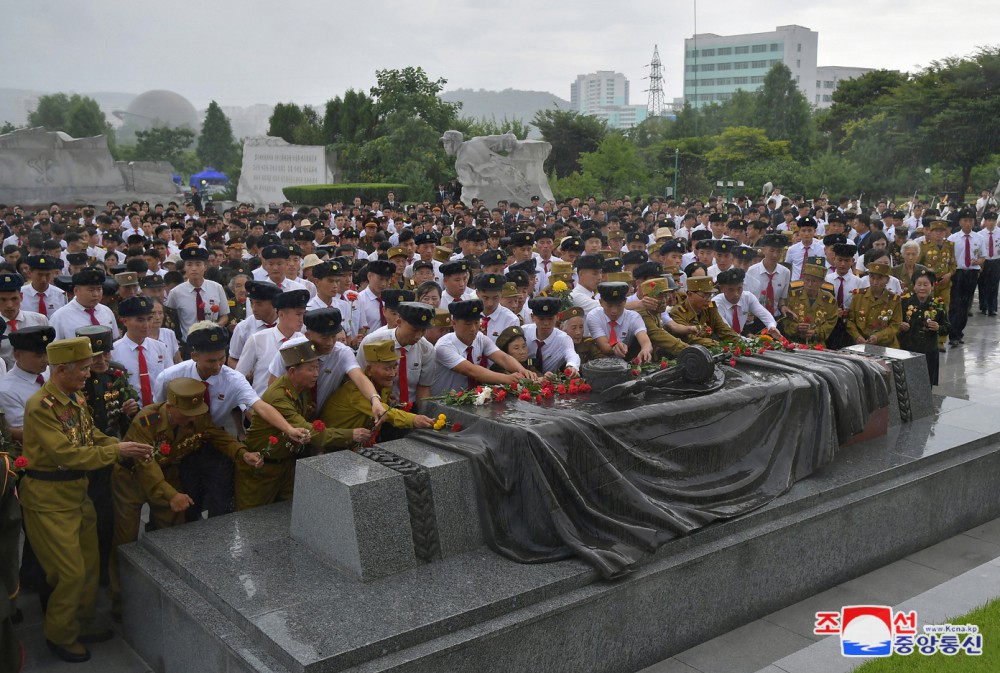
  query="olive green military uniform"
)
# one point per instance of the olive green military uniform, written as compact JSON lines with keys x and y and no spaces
{"x":940,"y":260}
{"x":347,"y":408}
{"x":134,"y":483}
{"x":61,"y":444}
{"x":819,"y":314}
{"x":275,"y":479}
{"x":879,"y":316}
{"x":709,"y":318}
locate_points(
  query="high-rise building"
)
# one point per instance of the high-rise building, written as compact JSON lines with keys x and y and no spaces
{"x":604,"y":94}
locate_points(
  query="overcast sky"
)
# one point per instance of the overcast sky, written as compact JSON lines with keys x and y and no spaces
{"x":241,"y":52}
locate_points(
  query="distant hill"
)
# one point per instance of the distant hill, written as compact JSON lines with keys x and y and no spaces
{"x":509,"y":103}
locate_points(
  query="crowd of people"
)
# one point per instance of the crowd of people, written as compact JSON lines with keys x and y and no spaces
{"x":183,"y":358}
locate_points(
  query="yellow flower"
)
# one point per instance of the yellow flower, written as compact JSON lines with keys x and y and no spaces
{"x":559,"y":286}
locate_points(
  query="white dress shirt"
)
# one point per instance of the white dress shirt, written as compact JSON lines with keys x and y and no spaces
{"x":73,"y":315}
{"x":126,"y":352}
{"x":23,"y":319}
{"x":55,"y":299}
{"x":333,"y":367}
{"x":449,"y":352}
{"x":420,"y":360}
{"x":558,"y":351}
{"x":227,"y":390}
{"x":16,"y":387}
{"x":184,"y":299}
{"x":258,"y":352}
{"x":627,"y":326}
{"x":746,"y":305}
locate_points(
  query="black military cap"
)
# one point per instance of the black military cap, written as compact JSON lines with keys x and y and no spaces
{"x":275,"y":251}
{"x":11,"y":282}
{"x":88,"y":276}
{"x":291,"y":299}
{"x":594,"y":262}
{"x":194,"y":254}
{"x":673,"y":245}
{"x":209,"y":339}
{"x":34,"y":339}
{"x":730,"y":277}
{"x":135,"y":306}
{"x":325,"y":321}
{"x":152,"y":280}
{"x":381,"y":267}
{"x":452,"y":268}
{"x":647,"y":270}
{"x":471,"y":309}
{"x":44,"y":263}
{"x":492,"y":257}
{"x":76,"y":258}
{"x":613,"y":293}
{"x":571,"y":243}
{"x":393,"y":298}
{"x":416,"y":313}
{"x":545,"y":306}
{"x":529,"y":266}
{"x":99,"y":335}
{"x":522,"y":238}
{"x":489,"y":281}
{"x":262,"y":290}
{"x":612,"y":265}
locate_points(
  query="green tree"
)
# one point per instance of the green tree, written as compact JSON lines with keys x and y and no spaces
{"x":615,"y":166}
{"x":78,"y":116}
{"x":163,"y":144}
{"x":783,"y":111}
{"x":740,"y":145}
{"x":409,"y":91}
{"x":571,"y":134}
{"x":216,"y":144}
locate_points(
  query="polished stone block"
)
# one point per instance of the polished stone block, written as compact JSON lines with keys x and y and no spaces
{"x":353,"y":512}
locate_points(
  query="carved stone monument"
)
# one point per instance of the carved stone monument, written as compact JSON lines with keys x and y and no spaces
{"x":271,"y":164}
{"x":494,"y":168}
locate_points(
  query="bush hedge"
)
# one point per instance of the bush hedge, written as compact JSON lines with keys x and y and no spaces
{"x":317,"y":195}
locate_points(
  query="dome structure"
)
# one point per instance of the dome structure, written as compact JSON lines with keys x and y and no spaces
{"x":160,"y":108}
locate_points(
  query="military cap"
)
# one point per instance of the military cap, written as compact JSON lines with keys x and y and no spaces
{"x":291,"y":299}
{"x":453,"y":268}
{"x":593,"y":262}
{"x":647,"y":270}
{"x":807,"y":221}
{"x":135,"y":306}
{"x":730,"y":277}
{"x":380,"y":351}
{"x":845,"y":250}
{"x":700,"y":284}
{"x":509,"y":290}
{"x":88,"y":276}
{"x":76,"y":258}
{"x":187,"y":395}
{"x":612,"y":265}
{"x":815,"y":267}
{"x":74,"y":349}
{"x":522,"y":238}
{"x":654,"y":287}
{"x":44,"y":263}
{"x":325,"y":321}
{"x":879,"y":269}
{"x":675,"y":245}
{"x":571,"y":243}
{"x":939,"y":224}
{"x":489,"y":281}
{"x":442,"y":318}
{"x":508,"y":335}
{"x":423,"y":238}
{"x":34,"y":339}
{"x":834,"y":239}
{"x":127,"y":278}
{"x":545,"y":306}
{"x":194,"y":253}
{"x":391,"y":299}
{"x":725,"y":245}
{"x":773,"y":241}
{"x":208,"y":339}
{"x":11,"y":282}
{"x":382,"y":267}
{"x":298,"y":353}
{"x":422,"y":264}
{"x":573,"y":312}
{"x":397,"y":252}
{"x":635,"y":257}
{"x":613,"y":292}
{"x":416,"y":313}
{"x":470,"y":309}
{"x":492,"y":257}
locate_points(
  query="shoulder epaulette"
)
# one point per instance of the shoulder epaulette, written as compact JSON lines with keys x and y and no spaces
{"x":796,"y":284}
{"x":49,"y":401}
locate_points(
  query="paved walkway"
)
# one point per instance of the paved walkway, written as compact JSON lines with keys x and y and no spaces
{"x":970,"y":371}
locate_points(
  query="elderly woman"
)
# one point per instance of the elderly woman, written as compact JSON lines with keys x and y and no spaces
{"x":905,"y":271}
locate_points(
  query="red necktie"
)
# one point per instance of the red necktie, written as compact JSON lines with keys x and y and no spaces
{"x":381,"y":311}
{"x":40,"y":380}
{"x":93,"y":316}
{"x":968,"y":252}
{"x":208,"y":399}
{"x":13,"y":325}
{"x":199,"y":304}
{"x":468,"y":356}
{"x":45,"y":311}
{"x":538,"y":355}
{"x":613,"y":339}
{"x":404,"y":384}
{"x":736,"y":319}
{"x":769,"y":293}
{"x":840,"y":292}
{"x":145,"y":388}
{"x":991,"y":245}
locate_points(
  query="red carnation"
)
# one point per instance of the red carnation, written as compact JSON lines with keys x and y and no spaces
{"x":164,"y":449}
{"x":319,"y":426}
{"x":20,"y":463}
{"x":272,"y":439}
{"x":455,"y":427}
{"x":732,"y":362}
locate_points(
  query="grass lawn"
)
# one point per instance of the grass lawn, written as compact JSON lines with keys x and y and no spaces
{"x":987,"y":618}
